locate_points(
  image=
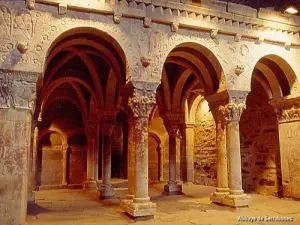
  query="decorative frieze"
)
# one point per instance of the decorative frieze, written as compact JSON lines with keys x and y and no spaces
{"x":17,"y":90}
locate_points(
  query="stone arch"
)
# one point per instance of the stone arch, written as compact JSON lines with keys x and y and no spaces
{"x":275,"y":75}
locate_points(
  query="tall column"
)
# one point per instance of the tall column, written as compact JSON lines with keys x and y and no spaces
{"x":92,"y":131}
{"x":107,"y":124}
{"x":131,"y":161}
{"x":189,"y":143}
{"x":65,"y":165}
{"x":141,"y":104}
{"x":236,"y":198}
{"x":222,"y":175}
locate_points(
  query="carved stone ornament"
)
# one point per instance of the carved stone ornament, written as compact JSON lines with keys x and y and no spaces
{"x":288,"y":115}
{"x":22,"y":47}
{"x":142,"y":102}
{"x":237,"y":37}
{"x":62,"y":8}
{"x":147,"y":22}
{"x":239,"y":70}
{"x":233,"y":111}
{"x":30,"y":4}
{"x":107,"y":125}
{"x":213,"y":34}
{"x":17,"y":92}
{"x":117,"y":17}
{"x":145,"y":61}
{"x":174,"y":26}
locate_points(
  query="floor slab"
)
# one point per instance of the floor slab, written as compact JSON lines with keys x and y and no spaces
{"x":82,"y":207}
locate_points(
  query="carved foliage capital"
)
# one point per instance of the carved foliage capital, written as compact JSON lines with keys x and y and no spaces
{"x":229,"y":112}
{"x":142,"y":102}
{"x":288,"y":114}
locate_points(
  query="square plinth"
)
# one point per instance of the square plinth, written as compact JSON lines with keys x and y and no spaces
{"x":237,"y":200}
{"x":173,"y":189}
{"x":144,"y":209}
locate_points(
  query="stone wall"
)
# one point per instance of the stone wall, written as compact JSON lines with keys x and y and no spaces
{"x":77,"y":165}
{"x":260,"y":145}
{"x":205,"y":154}
{"x":51,"y":173}
{"x":289,"y":134}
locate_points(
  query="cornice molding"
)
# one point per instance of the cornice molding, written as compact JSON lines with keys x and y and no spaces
{"x":265,"y":25}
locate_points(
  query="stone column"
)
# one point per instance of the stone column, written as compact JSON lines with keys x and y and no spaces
{"x":107,"y":124}
{"x":141,"y":103}
{"x":92,"y":131}
{"x":172,"y":187}
{"x":236,"y":198}
{"x":64,"y":181}
{"x":189,"y":142}
{"x":131,"y":161}
{"x":17,"y":101}
{"x":33,"y":162}
{"x":160,"y":163}
{"x":222,"y":175}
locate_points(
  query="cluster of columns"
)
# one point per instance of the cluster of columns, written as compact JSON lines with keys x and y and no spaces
{"x":229,"y":189}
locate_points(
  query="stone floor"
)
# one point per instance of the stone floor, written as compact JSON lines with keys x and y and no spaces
{"x":79,"y":207}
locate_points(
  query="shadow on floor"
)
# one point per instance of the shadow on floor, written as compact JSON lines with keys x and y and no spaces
{"x":34,"y":209}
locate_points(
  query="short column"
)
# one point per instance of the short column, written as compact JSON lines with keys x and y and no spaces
{"x":172,"y":187}
{"x":107,"y":125}
{"x":64,"y":182}
{"x":218,"y":112}
{"x":92,"y":131}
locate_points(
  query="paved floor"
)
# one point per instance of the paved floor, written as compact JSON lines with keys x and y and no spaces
{"x":79,"y":207}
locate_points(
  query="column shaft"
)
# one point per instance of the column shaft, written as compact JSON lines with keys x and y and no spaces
{"x":65,"y":167}
{"x":234,"y":158}
{"x":131,"y":161}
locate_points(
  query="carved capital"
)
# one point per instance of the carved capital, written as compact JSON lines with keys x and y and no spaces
{"x":233,"y":111}
{"x":288,"y":114}
{"x":172,"y":122}
{"x":107,"y":123}
{"x":17,"y":90}
{"x":239,"y":70}
{"x":142,"y":102}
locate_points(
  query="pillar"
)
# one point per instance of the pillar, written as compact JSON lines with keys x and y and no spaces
{"x":131,"y":161}
{"x":160,"y":163}
{"x":17,"y":101}
{"x":141,"y":104}
{"x":222,"y":175}
{"x":189,"y":142}
{"x":64,"y":181}
{"x":33,"y":167}
{"x":92,"y":132}
{"x":236,"y":197}
{"x":106,"y":124}
{"x":172,"y":124}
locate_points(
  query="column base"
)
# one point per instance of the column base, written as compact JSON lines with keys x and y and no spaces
{"x":90,"y":184}
{"x":31,"y":197}
{"x":173,"y":189}
{"x":139,"y":208}
{"x":236,"y":201}
{"x":106,"y":192}
{"x":219,"y":195}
